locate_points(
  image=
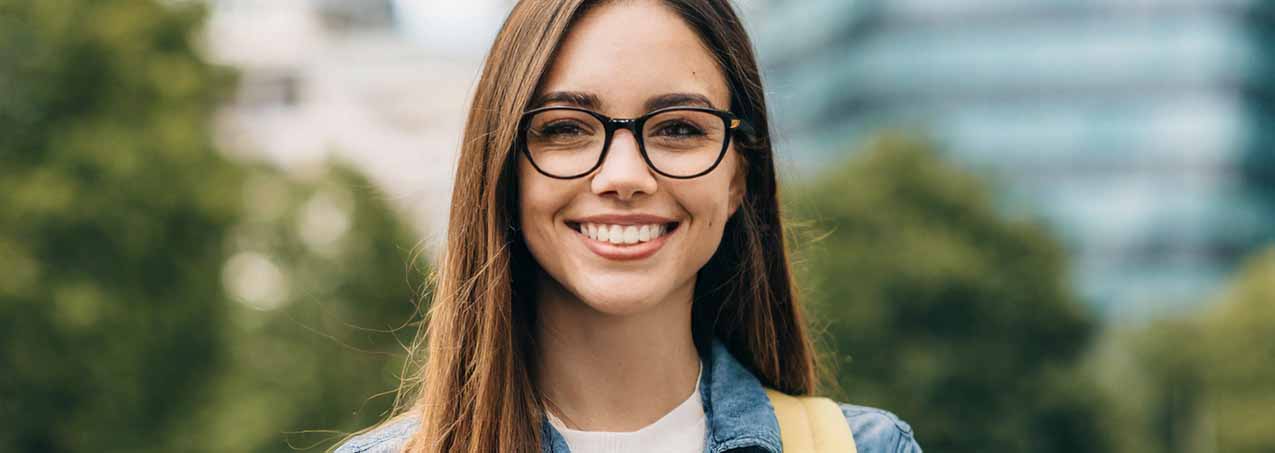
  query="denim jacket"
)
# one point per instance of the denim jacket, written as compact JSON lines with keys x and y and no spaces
{"x":739,"y":416}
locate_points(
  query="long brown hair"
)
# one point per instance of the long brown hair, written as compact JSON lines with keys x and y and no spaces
{"x":476,"y":391}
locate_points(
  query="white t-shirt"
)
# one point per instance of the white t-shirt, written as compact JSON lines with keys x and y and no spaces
{"x":682,"y":430}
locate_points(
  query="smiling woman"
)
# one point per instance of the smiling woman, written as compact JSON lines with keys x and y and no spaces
{"x":615,"y":276}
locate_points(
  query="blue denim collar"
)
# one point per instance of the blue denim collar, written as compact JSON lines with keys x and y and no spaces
{"x":553,"y":442}
{"x":738,"y":412}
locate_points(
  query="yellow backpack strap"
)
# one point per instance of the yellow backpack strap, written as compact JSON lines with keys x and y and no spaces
{"x":811,"y":424}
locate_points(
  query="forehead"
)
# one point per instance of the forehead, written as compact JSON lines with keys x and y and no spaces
{"x":628,"y":52}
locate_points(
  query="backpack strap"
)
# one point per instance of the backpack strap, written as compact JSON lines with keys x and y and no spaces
{"x":811,"y":424}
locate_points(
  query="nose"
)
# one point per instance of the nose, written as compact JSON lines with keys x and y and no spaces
{"x":623,"y":173}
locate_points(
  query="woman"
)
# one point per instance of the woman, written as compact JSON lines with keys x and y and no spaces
{"x":615,"y":277}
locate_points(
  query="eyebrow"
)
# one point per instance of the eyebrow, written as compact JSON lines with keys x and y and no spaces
{"x":591,"y":101}
{"x":574,"y":98}
{"x":677,"y":99}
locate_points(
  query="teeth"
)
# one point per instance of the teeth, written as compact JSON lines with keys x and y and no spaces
{"x":617,"y":234}
{"x":622,"y":234}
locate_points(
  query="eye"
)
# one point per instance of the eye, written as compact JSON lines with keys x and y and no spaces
{"x":678,"y":129}
{"x":562,"y":128}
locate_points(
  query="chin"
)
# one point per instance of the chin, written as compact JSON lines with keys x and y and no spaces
{"x":605,"y":298}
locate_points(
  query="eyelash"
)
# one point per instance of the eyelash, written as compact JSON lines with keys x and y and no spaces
{"x":556,"y":126}
{"x":694,"y":130}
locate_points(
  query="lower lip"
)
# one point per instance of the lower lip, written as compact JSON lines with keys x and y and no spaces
{"x":624,"y":252}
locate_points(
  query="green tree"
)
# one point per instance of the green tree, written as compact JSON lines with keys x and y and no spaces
{"x":1203,"y":381}
{"x":324,"y":282}
{"x":941,"y":309}
{"x":1160,"y":399}
{"x":154,"y":295}
{"x":112,"y":219}
{"x":1239,"y":361}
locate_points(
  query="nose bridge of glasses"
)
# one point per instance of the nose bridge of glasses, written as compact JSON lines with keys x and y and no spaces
{"x":633,"y":157}
{"x":630,"y":124}
{"x":622,"y":169}
{"x":614,"y":126}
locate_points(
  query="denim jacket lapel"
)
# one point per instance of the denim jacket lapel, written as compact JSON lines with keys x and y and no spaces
{"x":551,"y":440}
{"x":735,"y":403}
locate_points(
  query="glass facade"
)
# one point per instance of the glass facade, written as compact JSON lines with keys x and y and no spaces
{"x":1134,"y":128}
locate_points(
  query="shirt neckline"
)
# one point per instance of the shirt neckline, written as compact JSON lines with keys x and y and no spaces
{"x":684,"y":424}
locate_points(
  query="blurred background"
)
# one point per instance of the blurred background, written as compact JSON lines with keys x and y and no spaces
{"x":1020,"y":225}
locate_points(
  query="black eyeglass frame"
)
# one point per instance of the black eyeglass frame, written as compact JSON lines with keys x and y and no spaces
{"x":635,"y":126}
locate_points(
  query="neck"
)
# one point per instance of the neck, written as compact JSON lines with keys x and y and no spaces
{"x":609,"y":372}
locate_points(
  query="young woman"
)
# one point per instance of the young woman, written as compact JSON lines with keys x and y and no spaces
{"x":615,"y":277}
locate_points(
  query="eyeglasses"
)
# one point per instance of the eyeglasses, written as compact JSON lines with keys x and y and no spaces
{"x":677,"y":142}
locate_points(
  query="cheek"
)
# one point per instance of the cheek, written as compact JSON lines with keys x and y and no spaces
{"x":526,"y":192}
{"x":537,"y":201}
{"x":540,"y":201}
{"x":709,"y":200}
{"x":714,"y":200}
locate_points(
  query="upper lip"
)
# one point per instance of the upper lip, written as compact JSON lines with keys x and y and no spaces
{"x":624,"y":219}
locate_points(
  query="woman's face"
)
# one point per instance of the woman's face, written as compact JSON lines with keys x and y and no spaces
{"x":619,"y":60}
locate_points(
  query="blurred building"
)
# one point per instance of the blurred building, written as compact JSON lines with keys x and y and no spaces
{"x":1134,"y":127}
{"x":356,"y":79}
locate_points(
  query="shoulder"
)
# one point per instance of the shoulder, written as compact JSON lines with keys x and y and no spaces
{"x":878,"y":431}
{"x":387,"y":438}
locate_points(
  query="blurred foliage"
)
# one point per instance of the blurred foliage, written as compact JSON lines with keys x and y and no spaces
{"x":1239,"y":362}
{"x":1205,"y":382}
{"x":122,"y":229}
{"x":326,"y":278}
{"x":112,"y":224}
{"x":949,"y":314}
{"x":1152,"y":376}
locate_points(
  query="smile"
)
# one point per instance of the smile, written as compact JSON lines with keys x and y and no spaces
{"x":623,"y":242}
{"x":622,"y":234}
